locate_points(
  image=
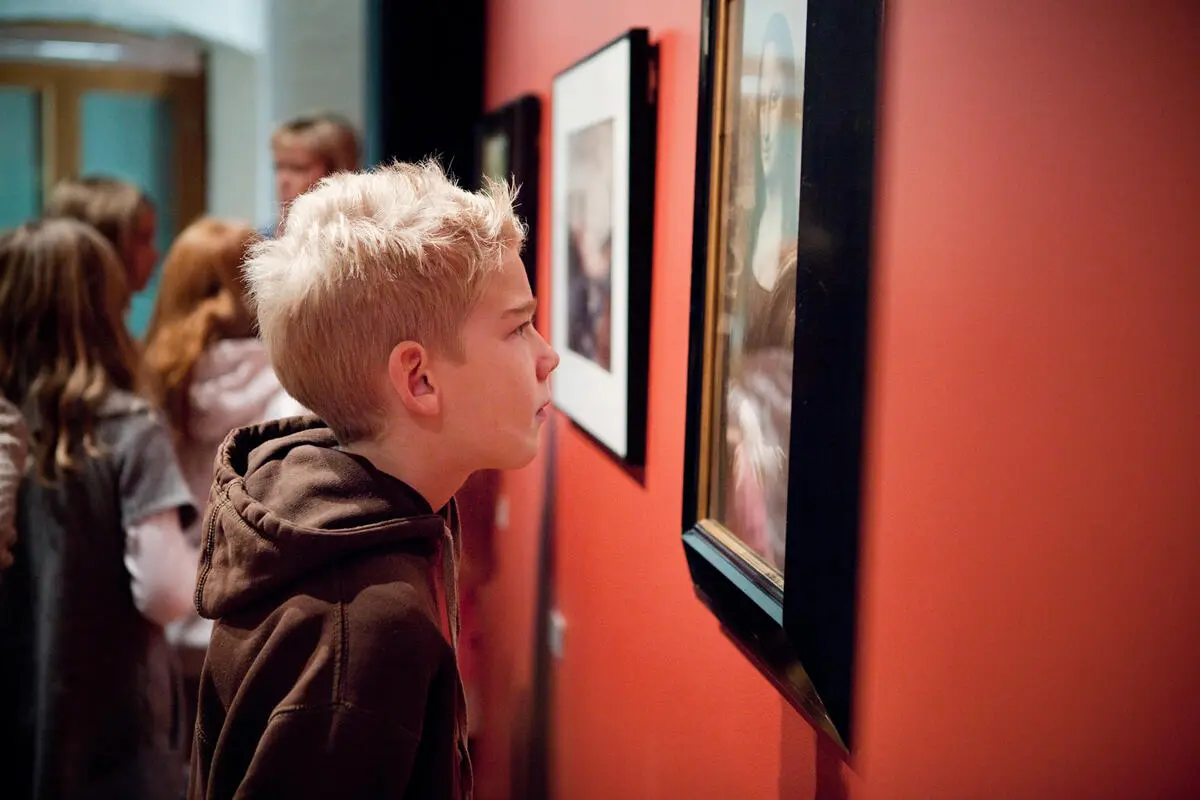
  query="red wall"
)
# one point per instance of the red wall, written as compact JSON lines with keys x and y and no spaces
{"x":1030,"y":603}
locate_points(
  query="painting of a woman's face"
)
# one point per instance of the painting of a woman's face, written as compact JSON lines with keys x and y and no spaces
{"x":772,"y":85}
{"x":751,"y":441}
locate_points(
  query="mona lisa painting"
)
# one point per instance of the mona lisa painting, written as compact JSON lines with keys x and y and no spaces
{"x":764,"y":89}
{"x":777,"y":360}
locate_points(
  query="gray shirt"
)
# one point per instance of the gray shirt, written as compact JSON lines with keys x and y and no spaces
{"x":88,"y":689}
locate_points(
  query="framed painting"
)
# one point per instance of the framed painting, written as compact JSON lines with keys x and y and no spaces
{"x":508,"y":144}
{"x":778,"y":341}
{"x":604,"y":130}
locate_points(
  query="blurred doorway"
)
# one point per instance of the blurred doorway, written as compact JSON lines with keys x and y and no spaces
{"x":83,"y":100}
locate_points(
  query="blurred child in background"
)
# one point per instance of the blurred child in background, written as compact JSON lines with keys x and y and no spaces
{"x":88,"y":693}
{"x":206,"y":369}
{"x":307,"y":149}
{"x":121,"y":212}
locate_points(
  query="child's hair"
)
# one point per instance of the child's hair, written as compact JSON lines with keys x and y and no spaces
{"x":109,"y":205}
{"x":201,"y":299}
{"x":62,"y":294}
{"x":329,"y":136}
{"x":369,"y":260}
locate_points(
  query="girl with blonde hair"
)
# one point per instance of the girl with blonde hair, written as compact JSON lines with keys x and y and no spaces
{"x":89,"y":690}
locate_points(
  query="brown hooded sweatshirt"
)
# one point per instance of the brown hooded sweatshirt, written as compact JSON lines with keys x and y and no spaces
{"x":332,"y":668}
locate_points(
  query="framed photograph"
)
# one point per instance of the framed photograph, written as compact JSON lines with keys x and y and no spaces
{"x":508,"y":143}
{"x":604,"y":129}
{"x":778,"y":343}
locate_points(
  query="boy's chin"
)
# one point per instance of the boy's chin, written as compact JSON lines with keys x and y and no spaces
{"x":517,"y":457}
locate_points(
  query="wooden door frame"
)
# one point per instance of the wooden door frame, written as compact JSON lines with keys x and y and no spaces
{"x":60,"y":91}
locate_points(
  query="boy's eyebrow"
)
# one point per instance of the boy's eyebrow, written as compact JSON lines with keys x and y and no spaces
{"x":524,"y":310}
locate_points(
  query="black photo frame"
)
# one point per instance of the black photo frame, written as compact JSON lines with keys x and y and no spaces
{"x":508,"y":145}
{"x":792,"y":611}
{"x":602,"y":215}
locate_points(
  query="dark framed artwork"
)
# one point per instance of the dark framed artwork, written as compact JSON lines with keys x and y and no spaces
{"x":604,"y":130}
{"x":508,"y":145}
{"x":778,"y":343}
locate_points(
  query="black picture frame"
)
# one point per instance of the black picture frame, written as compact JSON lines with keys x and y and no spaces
{"x":604,"y":134}
{"x":799,"y":630}
{"x":518,"y":126}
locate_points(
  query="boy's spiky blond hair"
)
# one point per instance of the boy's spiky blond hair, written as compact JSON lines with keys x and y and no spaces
{"x":368,"y":260}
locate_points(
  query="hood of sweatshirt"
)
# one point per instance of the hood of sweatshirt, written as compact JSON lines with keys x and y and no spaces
{"x":288,"y":504}
{"x":286,"y":501}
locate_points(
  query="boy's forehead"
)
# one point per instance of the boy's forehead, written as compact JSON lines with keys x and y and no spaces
{"x":507,"y":288}
{"x":293,"y":145}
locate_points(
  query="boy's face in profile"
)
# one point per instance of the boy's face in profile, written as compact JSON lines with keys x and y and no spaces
{"x":297,"y":168}
{"x":496,"y":398}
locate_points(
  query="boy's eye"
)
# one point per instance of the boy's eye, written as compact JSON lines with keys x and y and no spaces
{"x":524,"y":326}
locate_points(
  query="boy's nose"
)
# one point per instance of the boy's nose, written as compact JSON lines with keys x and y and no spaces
{"x":549,"y":363}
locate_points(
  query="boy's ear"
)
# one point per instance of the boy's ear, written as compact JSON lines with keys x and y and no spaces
{"x":411,"y":379}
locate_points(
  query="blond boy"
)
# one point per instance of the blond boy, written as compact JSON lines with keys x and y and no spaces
{"x":396,"y":307}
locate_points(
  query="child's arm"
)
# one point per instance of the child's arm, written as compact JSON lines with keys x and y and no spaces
{"x":13,"y":450}
{"x":162,"y":567}
{"x":155,"y":505}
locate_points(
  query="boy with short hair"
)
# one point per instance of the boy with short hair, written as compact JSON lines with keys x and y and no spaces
{"x":396,"y":307}
{"x":306,"y":149}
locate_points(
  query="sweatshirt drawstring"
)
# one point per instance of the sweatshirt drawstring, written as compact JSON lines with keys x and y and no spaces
{"x":451,"y":550}
{"x":450,"y":581}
